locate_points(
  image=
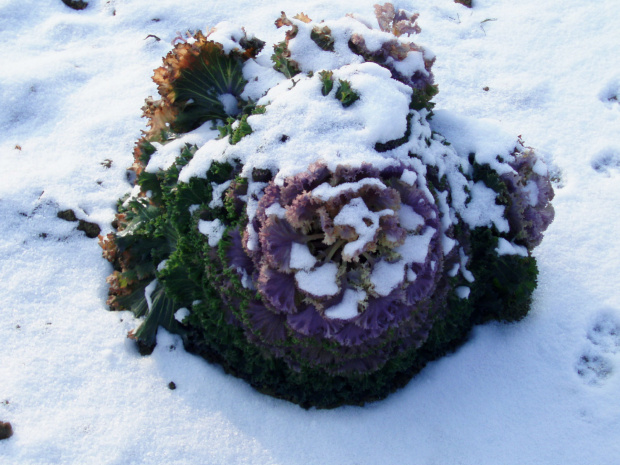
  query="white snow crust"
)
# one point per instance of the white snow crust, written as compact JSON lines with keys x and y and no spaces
{"x":408,"y":218}
{"x":356,"y":214}
{"x":214,"y":230}
{"x":482,"y":210}
{"x":325,"y":191}
{"x":181,"y":314}
{"x":409,"y":177}
{"x":165,"y":155}
{"x":321,"y":281}
{"x":218,"y":190}
{"x":463,"y":292}
{"x":507,"y":248}
{"x":348,"y":307}
{"x":228,"y":34}
{"x":301,"y":258}
{"x":386,"y":276}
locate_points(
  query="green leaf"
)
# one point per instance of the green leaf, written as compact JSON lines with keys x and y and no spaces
{"x":421,"y":98}
{"x":281,"y":60}
{"x":161,"y":313}
{"x":235,"y":129}
{"x":327,"y":80}
{"x":322,"y":37}
{"x":346,"y":94}
{"x":200,"y":88}
{"x":136,"y":301}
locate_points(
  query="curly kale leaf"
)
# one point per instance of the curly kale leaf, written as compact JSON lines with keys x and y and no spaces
{"x":160,"y":313}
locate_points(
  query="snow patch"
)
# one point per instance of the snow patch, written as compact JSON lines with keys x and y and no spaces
{"x":415,"y":248}
{"x":181,"y":314}
{"x":482,"y":209}
{"x":348,"y":307}
{"x":531,"y":188}
{"x":230,"y":104}
{"x":508,"y":248}
{"x":462,"y":292}
{"x":386,"y":276}
{"x":482,"y":137}
{"x":326,"y":191}
{"x":214,"y":230}
{"x":409,"y":219}
{"x":165,"y":155}
{"x":218,"y":190}
{"x":301,"y":258}
{"x":365,"y":222}
{"x":468,"y":275}
{"x":148,"y":292}
{"x":409,"y":177}
{"x":320,"y":282}
{"x":229,"y":35}
{"x":276,"y":209}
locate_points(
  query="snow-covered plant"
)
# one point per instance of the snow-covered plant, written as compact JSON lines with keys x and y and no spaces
{"x":296,"y":219}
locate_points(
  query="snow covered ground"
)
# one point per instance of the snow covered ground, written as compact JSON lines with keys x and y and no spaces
{"x":75,"y":389}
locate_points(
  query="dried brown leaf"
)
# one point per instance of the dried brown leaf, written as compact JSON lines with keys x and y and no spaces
{"x":303,"y":17}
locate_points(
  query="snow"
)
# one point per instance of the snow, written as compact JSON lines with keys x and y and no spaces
{"x":181,"y":314}
{"x":468,"y":275}
{"x":365,"y":223}
{"x":227,"y":34}
{"x":507,"y":248}
{"x":347,"y":308}
{"x":255,"y":192}
{"x":165,"y":155}
{"x":488,"y":142}
{"x":214,"y":230}
{"x":410,"y":65}
{"x":276,"y":209}
{"x":260,"y":76}
{"x":148,"y":293}
{"x":408,"y":177}
{"x":229,"y":102}
{"x":218,"y":190}
{"x":532,"y":192}
{"x":408,"y":218}
{"x":76,"y":390}
{"x":482,"y":210}
{"x":415,"y":248}
{"x":311,"y":58}
{"x":326,"y":191}
{"x":386,"y":276}
{"x":301,"y":257}
{"x":298,"y":109}
{"x":463,"y":292}
{"x":540,"y":168}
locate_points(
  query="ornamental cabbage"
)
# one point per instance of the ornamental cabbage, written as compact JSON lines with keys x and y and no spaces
{"x":295,"y":218}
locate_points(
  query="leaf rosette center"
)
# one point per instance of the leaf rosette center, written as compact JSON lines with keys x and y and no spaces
{"x":345,"y":254}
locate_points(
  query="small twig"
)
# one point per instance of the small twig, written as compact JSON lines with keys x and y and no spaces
{"x":482,"y":22}
{"x":457,"y":20}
